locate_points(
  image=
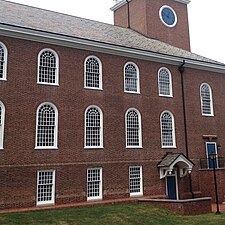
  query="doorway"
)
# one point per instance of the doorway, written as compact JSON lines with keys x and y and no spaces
{"x":172,"y":190}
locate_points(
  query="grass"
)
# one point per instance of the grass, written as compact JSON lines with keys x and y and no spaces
{"x":109,"y":215}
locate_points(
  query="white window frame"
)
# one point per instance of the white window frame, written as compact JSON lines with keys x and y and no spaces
{"x":173,"y":131}
{"x":55,"y":128}
{"x":56,"y":70}
{"x":2,"y":125}
{"x":52,"y":201}
{"x":170,"y":83}
{"x":5,"y":61}
{"x":101,"y":128}
{"x":140,"y":193}
{"x":100,"y":73}
{"x":139,"y":131}
{"x":100,"y":196}
{"x":138,"y":78}
{"x":211,"y":100}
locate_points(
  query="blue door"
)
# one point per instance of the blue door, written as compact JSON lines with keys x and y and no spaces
{"x":171,"y":187}
{"x":211,"y":149}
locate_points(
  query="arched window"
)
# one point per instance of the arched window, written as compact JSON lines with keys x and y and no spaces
{"x":165,"y":82}
{"x":133,"y":129}
{"x":48,"y":67}
{"x":206,"y":100}
{"x":3,"y":61}
{"x":131,"y":78}
{"x":93,"y":127}
{"x":2,"y":123}
{"x":47,"y":126}
{"x":167,"y":130}
{"x":92,"y":73}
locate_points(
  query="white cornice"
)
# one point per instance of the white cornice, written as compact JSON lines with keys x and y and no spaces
{"x":90,"y":45}
{"x":124,"y":2}
{"x":183,"y":1}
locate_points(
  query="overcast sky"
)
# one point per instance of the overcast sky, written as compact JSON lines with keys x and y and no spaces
{"x":206,"y":20}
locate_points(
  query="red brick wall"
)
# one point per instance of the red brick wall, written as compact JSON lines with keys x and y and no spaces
{"x":21,"y":95}
{"x":144,"y":17}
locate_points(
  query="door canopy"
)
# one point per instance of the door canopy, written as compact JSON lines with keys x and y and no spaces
{"x":172,"y":161}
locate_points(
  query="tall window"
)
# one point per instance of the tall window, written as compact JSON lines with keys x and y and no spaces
{"x":48,"y":67}
{"x":2,"y":122}
{"x":47,"y":126}
{"x":45,"y":187}
{"x":131,"y":78}
{"x":165,"y":82}
{"x":206,"y":100}
{"x":3,"y":61}
{"x":136,"y":187}
{"x":167,"y":130}
{"x":93,"y":127}
{"x":133,"y":129}
{"x":94,"y":184}
{"x":93,"y":73}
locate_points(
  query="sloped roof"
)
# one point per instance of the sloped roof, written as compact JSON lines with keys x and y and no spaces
{"x":17,"y":15}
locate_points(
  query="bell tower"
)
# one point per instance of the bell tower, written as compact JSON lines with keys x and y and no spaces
{"x":164,"y":20}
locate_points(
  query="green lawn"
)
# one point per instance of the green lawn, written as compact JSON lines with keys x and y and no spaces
{"x":108,"y":215}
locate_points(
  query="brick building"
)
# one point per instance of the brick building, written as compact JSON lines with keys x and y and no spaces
{"x":93,"y":111}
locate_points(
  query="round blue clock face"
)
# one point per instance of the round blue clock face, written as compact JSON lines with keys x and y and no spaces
{"x":168,"y":16}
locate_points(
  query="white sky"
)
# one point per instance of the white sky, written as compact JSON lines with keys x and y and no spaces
{"x":206,"y":20}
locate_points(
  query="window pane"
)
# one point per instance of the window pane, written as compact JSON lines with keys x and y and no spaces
{"x":92,"y":73}
{"x":167,"y":129}
{"x":45,"y":186}
{"x":135,"y":179}
{"x":131,"y":78}
{"x":47,"y":67}
{"x":206,"y":99}
{"x":93,"y":127}
{"x":46,"y":126}
{"x":94,"y":183}
{"x":2,"y":60}
{"x":164,"y":82}
{"x":133,"y":138}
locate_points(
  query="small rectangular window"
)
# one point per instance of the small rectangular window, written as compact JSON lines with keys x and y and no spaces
{"x":46,"y":187}
{"x":94,"y":184}
{"x":136,"y":181}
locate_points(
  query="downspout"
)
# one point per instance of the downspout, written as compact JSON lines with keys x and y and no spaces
{"x":181,"y":69}
{"x":128,"y":13}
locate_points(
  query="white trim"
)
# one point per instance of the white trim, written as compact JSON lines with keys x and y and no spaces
{"x":173,"y":126}
{"x":52,"y":202}
{"x":101,"y":128}
{"x":56,"y":127}
{"x":176,"y":180}
{"x":57,"y":67}
{"x":2,"y":125}
{"x":119,"y":4}
{"x":85,"y":44}
{"x":138,"y":78}
{"x":100,"y":73}
{"x":5,"y":62}
{"x":211,"y":100}
{"x":141,"y":182}
{"x":100,"y":185}
{"x":139,"y":131}
{"x":183,"y":1}
{"x":171,"y":85}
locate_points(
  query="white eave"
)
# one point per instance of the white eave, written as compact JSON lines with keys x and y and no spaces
{"x":124,"y":2}
{"x":90,"y":45}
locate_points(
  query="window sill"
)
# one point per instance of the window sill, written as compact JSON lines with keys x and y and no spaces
{"x":134,"y":147}
{"x":136,"y":194}
{"x":45,"y":203}
{"x":92,"y":88}
{"x":132,"y":92}
{"x":94,"y":199}
{"x":46,"y":148}
{"x":93,"y":148}
{"x":170,"y":147}
{"x":166,"y":96}
{"x":208,"y":115}
{"x":48,"y":84}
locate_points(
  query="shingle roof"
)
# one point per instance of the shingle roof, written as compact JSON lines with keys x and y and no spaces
{"x":48,"y":21}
